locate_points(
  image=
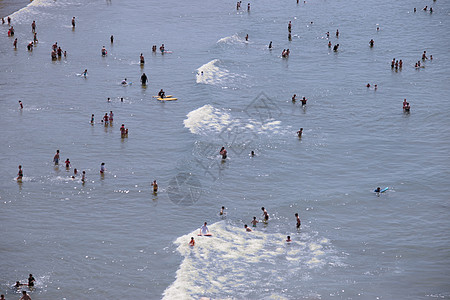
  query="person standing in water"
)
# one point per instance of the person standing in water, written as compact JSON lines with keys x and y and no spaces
{"x":270,"y":45}
{"x":299,"y":223}
{"x":222,"y":211}
{"x":20,"y":173}
{"x":83,"y":177}
{"x":294,"y":98}
{"x":192,"y":242}
{"x":102,"y":168}
{"x":31,"y":280}
{"x":56,"y":158}
{"x":73,"y":22}
{"x":223,"y":152}
{"x":141,"y":59}
{"x":288,"y":239}
{"x":300,"y":132}
{"x":106,"y":119}
{"x":111,"y":116}
{"x":15,"y":43}
{"x":304,"y":101}
{"x":254,"y":222}
{"x":144,"y":79}
{"x":112,"y":39}
{"x":265,"y":214}
{"x":67,"y":162}
{"x":155,"y":186}
{"x":20,"y":104}
{"x":204,"y":229}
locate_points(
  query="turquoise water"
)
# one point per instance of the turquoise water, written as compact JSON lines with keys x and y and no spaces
{"x":111,"y":237}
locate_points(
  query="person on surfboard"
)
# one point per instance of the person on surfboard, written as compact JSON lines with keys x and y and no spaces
{"x":161,"y":93}
{"x":204,"y":229}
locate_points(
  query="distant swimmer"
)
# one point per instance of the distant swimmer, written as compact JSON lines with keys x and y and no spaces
{"x":155,"y":186}
{"x":20,"y":173}
{"x":111,"y":116}
{"x":20,"y":104}
{"x":336,"y":47}
{"x":15,"y":43}
{"x":59,"y":51}
{"x":11,"y":31}
{"x":248,"y":7}
{"x":303,"y":101}
{"x":112,"y":39}
{"x":328,"y":34}
{"x":270,"y":45}
{"x":106,"y":119}
{"x":104,"y":52}
{"x":9,"y":20}
{"x":141,"y":59}
{"x":56,"y":158}
{"x":337,"y":33}
{"x":102,"y":168}
{"x":67,"y":162}
{"x":92,"y":119}
{"x":223,"y":152}
{"x":265,"y":214}
{"x":424,"y":55}
{"x":248,"y":229}
{"x":30,"y":46}
{"x":375,"y":87}
{"x":246,"y":37}
{"x":415,"y":9}
{"x":368,"y":85}
{"x":289,"y":37}
{"x":108,"y":99}
{"x":288,"y":239}
{"x":204,"y":229}
{"x":254,"y":222}
{"x":222,"y":211}
{"x":425,"y":8}
{"x":300,"y":132}
{"x":144,"y":79}
{"x":192,"y":242}
{"x":252,"y":154}
{"x":25,"y":296}
{"x":84,"y":73}
{"x":371,"y":43}
{"x":294,"y":98}
{"x":31,"y":280}
{"x":377,"y":190}
{"x":162,"y":48}
{"x":400,"y":64}
{"x":35,"y":40}
{"x":124,"y":82}
{"x":83,"y":177}
{"x":154,"y":48}
{"x":161,"y":93}
{"x":299,"y":223}
{"x":73,"y":22}
{"x":431,"y":10}
{"x":122,"y":131}
{"x":18,"y":284}
{"x":329,"y":44}
{"x":289,"y":26}
{"x":406,"y":107}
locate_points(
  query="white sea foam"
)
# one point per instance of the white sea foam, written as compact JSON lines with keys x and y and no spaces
{"x":234,"y":39}
{"x":210,"y":120}
{"x":24,"y":14}
{"x":233,"y":261}
{"x":212,"y":74}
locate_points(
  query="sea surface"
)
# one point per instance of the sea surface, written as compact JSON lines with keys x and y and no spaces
{"x":112,"y":238}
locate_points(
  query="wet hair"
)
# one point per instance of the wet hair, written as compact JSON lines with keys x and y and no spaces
{"x":296,"y":214}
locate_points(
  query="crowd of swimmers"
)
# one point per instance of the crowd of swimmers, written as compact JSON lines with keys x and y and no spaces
{"x":204,"y":230}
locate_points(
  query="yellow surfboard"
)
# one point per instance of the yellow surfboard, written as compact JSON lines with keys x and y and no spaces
{"x":167,"y":99}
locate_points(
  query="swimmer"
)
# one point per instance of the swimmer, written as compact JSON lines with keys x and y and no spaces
{"x":407,"y":107}
{"x":30,"y":46}
{"x":122,"y":130}
{"x":141,"y":59}
{"x":15,"y":43}
{"x":104,"y":51}
{"x":289,"y":37}
{"x":375,"y":87}
{"x":378,"y":190}
{"x":304,"y":101}
{"x":328,"y":34}
{"x":248,"y":229}
{"x":368,"y":85}
{"x":425,"y":8}
{"x":371,"y":43}
{"x":248,"y":7}
{"x":84,"y":73}
{"x":294,"y":98}
{"x":270,"y":45}
{"x":59,"y":51}
{"x":289,"y":26}
{"x":204,"y":229}
{"x":75,"y":171}
{"x":20,"y":104}
{"x":223,"y":152}
{"x":329,"y":44}
{"x":56,"y":158}
{"x":155,"y":186}
{"x":20,"y":173}
{"x":192,"y":242}
{"x":299,"y":223}
{"x":9,"y":20}
{"x":121,"y":99}
{"x":83,"y":177}
{"x":288,"y":239}
{"x":265,"y":214}
{"x":337,"y":33}
{"x":124,"y":82}
{"x":18,"y":284}
{"x":102,"y":168}
{"x":252,"y":154}
{"x":144,"y":78}
{"x":162,"y":49}
{"x":106,"y":119}
{"x":414,"y":9}
{"x":67,"y":162}
{"x":31,"y":280}
{"x":73,"y":22}
{"x":246,"y":37}
{"x":254,"y":222}
{"x":111,"y":38}
{"x":92,"y":119}
{"x":424,"y":55}
{"x":25,"y":296}
{"x":393,"y":63}
{"x":400,"y":64}
{"x":35,"y":40}
{"x":222,"y":211}
{"x":335,"y":48}
{"x":300,"y":132}
{"x":108,"y":99}
{"x":431,"y":57}
{"x":404,"y":103}
{"x":431,"y":10}
{"x":111,"y":116}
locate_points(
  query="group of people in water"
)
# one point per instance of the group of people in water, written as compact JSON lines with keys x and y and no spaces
{"x":204,"y":230}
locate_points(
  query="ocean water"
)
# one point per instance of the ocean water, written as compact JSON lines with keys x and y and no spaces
{"x":111,"y":237}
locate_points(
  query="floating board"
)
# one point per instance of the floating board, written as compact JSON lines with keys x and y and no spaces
{"x":383,"y":190}
{"x":167,"y":99}
{"x":208,"y":234}
{"x":167,"y":96}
